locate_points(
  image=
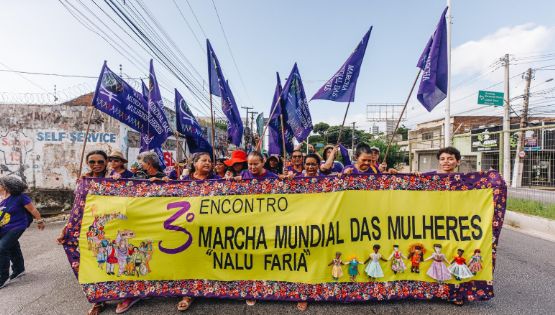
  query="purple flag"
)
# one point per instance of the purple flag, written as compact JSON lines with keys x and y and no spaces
{"x":341,"y":87}
{"x":187,"y":125}
{"x":220,"y":87}
{"x":345,"y":155}
{"x":159,"y":127}
{"x":145,"y":90}
{"x":118,"y":99}
{"x":295,"y":106}
{"x":433,"y":62}
{"x":275,"y":145}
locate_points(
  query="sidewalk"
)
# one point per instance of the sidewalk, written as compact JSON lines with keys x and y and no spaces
{"x":531,"y":225}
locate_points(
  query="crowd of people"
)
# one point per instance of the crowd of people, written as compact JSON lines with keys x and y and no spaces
{"x":17,"y":210}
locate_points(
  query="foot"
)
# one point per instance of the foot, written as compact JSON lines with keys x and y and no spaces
{"x":125,"y":305}
{"x":250,"y":302}
{"x":184,"y":304}
{"x":16,"y":275}
{"x":96,"y":309}
{"x":301,"y":306}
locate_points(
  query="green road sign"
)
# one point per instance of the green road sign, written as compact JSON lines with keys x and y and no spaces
{"x":490,"y":98}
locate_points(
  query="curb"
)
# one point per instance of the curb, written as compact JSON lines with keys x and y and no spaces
{"x":531,"y":225}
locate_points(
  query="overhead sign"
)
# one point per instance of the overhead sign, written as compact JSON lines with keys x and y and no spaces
{"x":490,"y":98}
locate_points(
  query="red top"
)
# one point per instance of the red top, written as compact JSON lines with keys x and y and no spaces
{"x":460,"y":260}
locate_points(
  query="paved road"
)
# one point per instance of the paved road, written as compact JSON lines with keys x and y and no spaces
{"x":524,"y":282}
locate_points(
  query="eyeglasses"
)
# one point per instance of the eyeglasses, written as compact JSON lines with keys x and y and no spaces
{"x":311,"y":164}
{"x":114,"y":160}
{"x":296,"y":156}
{"x":97,"y":162}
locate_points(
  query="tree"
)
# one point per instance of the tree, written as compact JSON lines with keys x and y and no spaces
{"x":404,"y":132}
{"x":321,"y":128}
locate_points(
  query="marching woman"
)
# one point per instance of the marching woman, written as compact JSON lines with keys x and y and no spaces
{"x":296,"y":167}
{"x":97,"y":161}
{"x":367,"y":162}
{"x":220,"y":168}
{"x":201,"y":169}
{"x":256,"y":170}
{"x":117,"y":164}
{"x":16,"y":213}
{"x":329,"y":165}
{"x":236,"y":164}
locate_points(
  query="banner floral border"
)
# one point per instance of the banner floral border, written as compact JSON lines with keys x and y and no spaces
{"x":278,"y":290}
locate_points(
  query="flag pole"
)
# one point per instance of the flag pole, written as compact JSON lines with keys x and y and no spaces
{"x":401,"y":116}
{"x":343,"y":124}
{"x":213,"y":130}
{"x":258,"y":145}
{"x":283,"y":138}
{"x":85,"y":141}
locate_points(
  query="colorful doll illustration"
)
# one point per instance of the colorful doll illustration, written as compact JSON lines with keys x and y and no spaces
{"x":475,"y":264}
{"x":353,"y":267}
{"x":101,"y":257}
{"x":122,"y":254}
{"x":458,"y":267}
{"x":416,"y":256}
{"x":336,"y":270}
{"x":397,"y":264}
{"x":373,"y":269}
{"x":111,"y":258}
{"x":438,"y":270}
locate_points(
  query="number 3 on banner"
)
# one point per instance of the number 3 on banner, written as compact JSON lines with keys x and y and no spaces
{"x":168,"y":225}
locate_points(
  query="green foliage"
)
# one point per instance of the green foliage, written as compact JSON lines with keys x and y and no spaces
{"x":545,"y":210}
{"x":221,"y":125}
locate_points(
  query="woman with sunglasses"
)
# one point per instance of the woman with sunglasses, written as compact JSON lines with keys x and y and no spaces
{"x":97,"y":161}
{"x":117,"y":165}
{"x":296,"y":167}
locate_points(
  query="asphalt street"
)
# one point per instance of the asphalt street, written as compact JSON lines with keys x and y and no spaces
{"x":524,"y":283}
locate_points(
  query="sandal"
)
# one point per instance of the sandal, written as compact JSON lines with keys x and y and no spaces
{"x":125,"y":305}
{"x":96,"y":308}
{"x":458,"y":302}
{"x":250,"y":302}
{"x":301,"y":306}
{"x":184,"y":304}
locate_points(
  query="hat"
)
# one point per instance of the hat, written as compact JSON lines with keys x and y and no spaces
{"x":237,"y":156}
{"x":375,"y":149}
{"x":117,"y":154}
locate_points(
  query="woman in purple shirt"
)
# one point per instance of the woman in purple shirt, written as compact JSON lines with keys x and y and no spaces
{"x":16,"y":213}
{"x":256,"y":170}
{"x":366,"y":161}
{"x":201,"y":168}
{"x":117,"y":164}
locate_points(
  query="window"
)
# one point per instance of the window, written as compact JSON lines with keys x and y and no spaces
{"x":427,"y":136}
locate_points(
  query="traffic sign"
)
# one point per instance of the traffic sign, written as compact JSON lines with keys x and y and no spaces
{"x":490,"y":98}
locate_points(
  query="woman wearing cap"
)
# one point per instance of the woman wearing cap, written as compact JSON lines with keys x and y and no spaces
{"x":329,"y":166}
{"x":236,"y":164}
{"x":117,"y":163}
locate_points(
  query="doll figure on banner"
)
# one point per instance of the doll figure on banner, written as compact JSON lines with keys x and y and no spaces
{"x":458,"y":267}
{"x":337,"y":268}
{"x":438,"y":270}
{"x":353,"y":267}
{"x":373,"y":269}
{"x":416,"y":256}
{"x":397,"y":263}
{"x":475,"y":264}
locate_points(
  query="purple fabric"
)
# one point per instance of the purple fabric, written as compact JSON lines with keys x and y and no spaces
{"x":119,"y":100}
{"x":210,"y":176}
{"x":295,"y":112}
{"x":341,"y":87}
{"x":187,"y":125}
{"x":220,"y":87}
{"x":275,"y":146}
{"x":126,"y":174}
{"x":246,"y":174}
{"x":15,"y":214}
{"x":291,"y":169}
{"x":357,"y":171}
{"x":158,"y":126}
{"x":433,"y":62}
{"x":345,"y":155}
{"x":336,"y":168}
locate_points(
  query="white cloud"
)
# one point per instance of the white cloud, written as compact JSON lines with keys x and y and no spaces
{"x":477,"y":55}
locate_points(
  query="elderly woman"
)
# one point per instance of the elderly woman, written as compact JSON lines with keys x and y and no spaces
{"x":150,"y":167}
{"x":117,"y":165}
{"x":201,"y":168}
{"x":16,"y":213}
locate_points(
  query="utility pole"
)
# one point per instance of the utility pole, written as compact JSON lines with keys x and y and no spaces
{"x":506,"y":156}
{"x":247,"y":124}
{"x":252,"y":130}
{"x":519,"y":162}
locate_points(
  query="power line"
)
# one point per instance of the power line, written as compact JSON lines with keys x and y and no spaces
{"x":188,"y":25}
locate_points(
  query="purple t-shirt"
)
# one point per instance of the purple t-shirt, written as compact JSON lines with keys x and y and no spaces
{"x":15,"y":214}
{"x":126,"y":174}
{"x":246,"y":174}
{"x":295,"y":172}
{"x":210,"y":176}
{"x":375,"y":170}
{"x":336,"y":168}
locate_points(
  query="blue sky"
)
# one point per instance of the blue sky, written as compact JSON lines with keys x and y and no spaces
{"x":269,"y":36}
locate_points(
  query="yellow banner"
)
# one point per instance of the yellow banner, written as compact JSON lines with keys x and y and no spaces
{"x":289,"y":237}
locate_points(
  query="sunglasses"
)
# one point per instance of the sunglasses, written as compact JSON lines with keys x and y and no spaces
{"x":296,"y":156}
{"x":97,"y":162}
{"x":114,"y":160}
